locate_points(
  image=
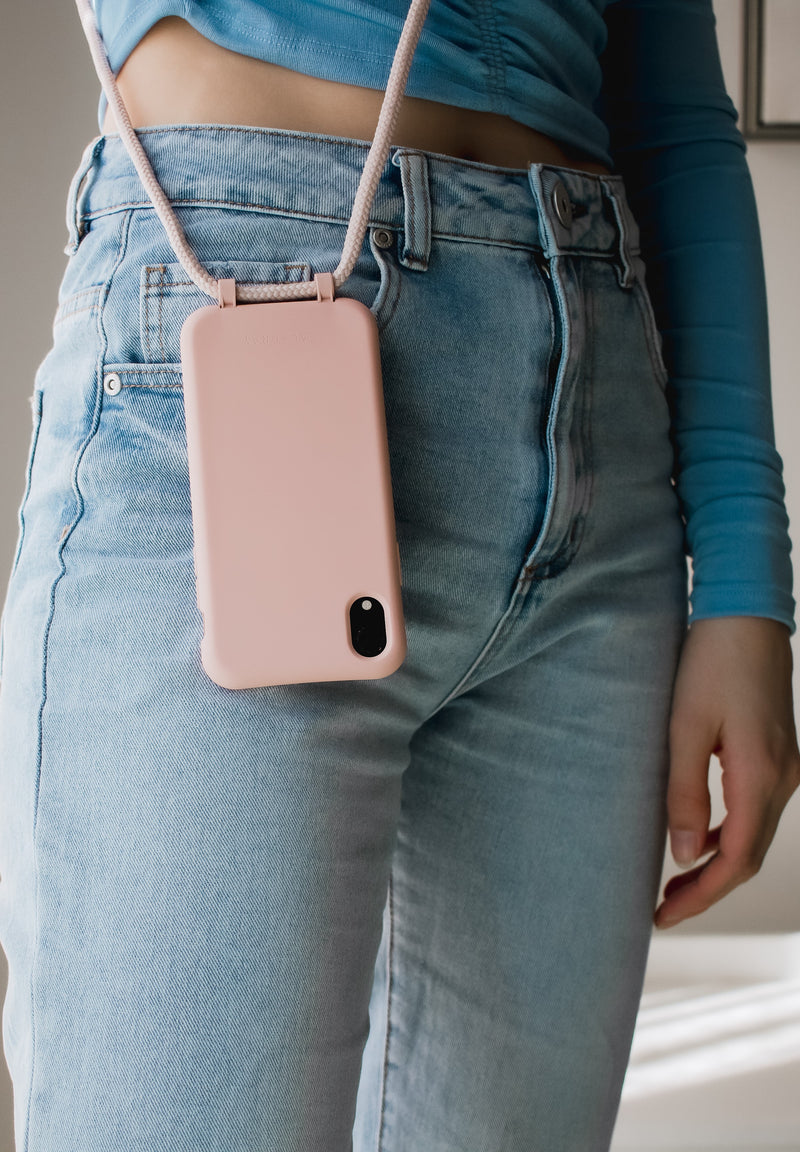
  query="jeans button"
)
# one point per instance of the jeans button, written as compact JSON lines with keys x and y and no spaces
{"x":383,"y":238}
{"x":562,"y":204}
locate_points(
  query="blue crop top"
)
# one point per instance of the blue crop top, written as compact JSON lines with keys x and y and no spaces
{"x":638,"y":86}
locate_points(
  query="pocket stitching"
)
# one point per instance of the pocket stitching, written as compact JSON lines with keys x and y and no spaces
{"x":148,"y":371}
{"x":157,"y":280}
{"x":65,"y":310}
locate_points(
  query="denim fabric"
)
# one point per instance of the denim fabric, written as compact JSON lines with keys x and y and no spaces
{"x":400,"y":915}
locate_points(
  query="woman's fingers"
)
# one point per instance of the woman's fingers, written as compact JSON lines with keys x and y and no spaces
{"x":754,"y":809}
{"x":693,"y":737}
{"x":733,"y":698}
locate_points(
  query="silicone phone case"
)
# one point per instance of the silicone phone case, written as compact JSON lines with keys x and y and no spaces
{"x":291,"y":490}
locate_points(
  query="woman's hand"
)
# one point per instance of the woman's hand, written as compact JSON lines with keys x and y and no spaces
{"x":732,"y":697}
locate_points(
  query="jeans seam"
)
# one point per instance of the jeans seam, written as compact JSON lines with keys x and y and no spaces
{"x":652,"y":335}
{"x":38,"y":410}
{"x":43,"y":700}
{"x":146,"y":333}
{"x":560,"y":355}
{"x":75,"y":312}
{"x":389,"y":989}
{"x":413,"y":216}
{"x":495,"y":636}
{"x":288,"y":265}
{"x":554,"y":565}
{"x":161,"y":313}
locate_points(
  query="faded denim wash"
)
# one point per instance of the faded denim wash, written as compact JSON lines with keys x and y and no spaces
{"x":399,"y":915}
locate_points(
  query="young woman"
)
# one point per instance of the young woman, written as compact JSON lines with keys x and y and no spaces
{"x":410,"y":913}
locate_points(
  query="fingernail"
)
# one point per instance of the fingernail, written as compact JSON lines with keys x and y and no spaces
{"x":684,"y":848}
{"x":667,"y":921}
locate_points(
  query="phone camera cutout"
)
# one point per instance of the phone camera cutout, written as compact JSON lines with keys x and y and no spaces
{"x":367,"y":626}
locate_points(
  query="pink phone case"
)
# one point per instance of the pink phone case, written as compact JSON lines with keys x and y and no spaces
{"x":294,"y":532}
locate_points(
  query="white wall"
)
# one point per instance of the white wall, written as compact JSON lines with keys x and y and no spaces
{"x":48,"y":99}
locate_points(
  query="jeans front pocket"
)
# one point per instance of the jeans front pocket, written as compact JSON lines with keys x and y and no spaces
{"x":167,"y":297}
{"x":138,"y":468}
{"x":135,"y":531}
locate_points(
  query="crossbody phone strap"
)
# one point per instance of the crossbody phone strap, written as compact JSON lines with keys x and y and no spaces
{"x":365,"y":194}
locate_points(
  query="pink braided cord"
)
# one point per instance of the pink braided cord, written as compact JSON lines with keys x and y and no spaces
{"x":365,"y":194}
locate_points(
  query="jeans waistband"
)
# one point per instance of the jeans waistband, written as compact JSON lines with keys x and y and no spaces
{"x":421,"y":194}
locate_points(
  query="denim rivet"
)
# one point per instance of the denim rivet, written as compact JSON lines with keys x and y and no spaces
{"x":562,"y":204}
{"x":112,"y":383}
{"x":383,"y":238}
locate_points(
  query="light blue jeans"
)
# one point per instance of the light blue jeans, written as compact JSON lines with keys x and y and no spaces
{"x":400,"y":915}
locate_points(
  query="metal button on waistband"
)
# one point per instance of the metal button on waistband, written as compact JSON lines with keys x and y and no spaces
{"x":112,"y":383}
{"x":383,"y":238}
{"x":562,"y":204}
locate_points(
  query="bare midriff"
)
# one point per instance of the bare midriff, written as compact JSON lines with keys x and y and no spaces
{"x":175,"y":75}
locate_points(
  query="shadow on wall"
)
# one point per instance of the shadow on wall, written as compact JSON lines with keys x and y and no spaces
{"x":715,"y":1061}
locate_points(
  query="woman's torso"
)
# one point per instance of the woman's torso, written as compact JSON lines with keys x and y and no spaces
{"x":175,"y":75}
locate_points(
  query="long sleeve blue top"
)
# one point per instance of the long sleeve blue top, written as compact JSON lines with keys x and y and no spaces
{"x":637,"y":85}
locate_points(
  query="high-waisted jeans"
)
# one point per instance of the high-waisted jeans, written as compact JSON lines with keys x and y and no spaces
{"x":410,"y":913}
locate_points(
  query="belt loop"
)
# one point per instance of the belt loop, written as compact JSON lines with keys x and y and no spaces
{"x":627,"y":228}
{"x":417,"y":203}
{"x":76,"y":195}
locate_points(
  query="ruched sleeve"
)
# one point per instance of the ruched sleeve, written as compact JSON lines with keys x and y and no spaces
{"x":675,"y":140}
